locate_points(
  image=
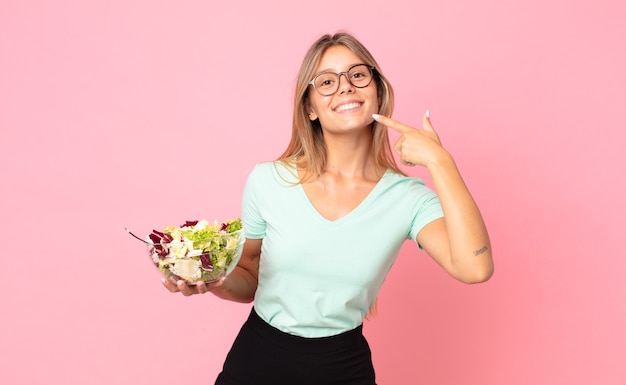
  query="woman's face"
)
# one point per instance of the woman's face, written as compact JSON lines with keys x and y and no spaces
{"x":350,"y":108}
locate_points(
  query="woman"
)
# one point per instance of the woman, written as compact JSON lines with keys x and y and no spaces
{"x":324,"y":224}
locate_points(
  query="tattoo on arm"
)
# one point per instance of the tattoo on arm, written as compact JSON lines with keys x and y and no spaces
{"x":480,"y":251}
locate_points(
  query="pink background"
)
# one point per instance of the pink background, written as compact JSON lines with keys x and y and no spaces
{"x":148,"y":113}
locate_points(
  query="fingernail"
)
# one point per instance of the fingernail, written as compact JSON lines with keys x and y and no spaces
{"x":375,"y":116}
{"x":428,"y":114}
{"x":163,"y":281}
{"x":179,"y":283}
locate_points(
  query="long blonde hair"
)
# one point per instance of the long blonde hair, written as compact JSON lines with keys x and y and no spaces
{"x":307,"y":141}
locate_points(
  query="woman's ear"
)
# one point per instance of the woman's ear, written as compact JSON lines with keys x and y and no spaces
{"x":311,"y":113}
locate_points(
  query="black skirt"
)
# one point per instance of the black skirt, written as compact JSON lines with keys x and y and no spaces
{"x":262,"y":354}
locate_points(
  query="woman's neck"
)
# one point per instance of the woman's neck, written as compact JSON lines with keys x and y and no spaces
{"x":350,"y":156}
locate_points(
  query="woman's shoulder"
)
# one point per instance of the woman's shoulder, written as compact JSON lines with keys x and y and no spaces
{"x":277,"y":169}
{"x":393,"y":177}
{"x":396,"y":184}
{"x":274,"y":166}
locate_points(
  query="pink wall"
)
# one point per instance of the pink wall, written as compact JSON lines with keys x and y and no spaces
{"x":146,"y":113}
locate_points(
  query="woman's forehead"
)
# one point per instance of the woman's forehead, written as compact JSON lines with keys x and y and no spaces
{"x":337,"y":58}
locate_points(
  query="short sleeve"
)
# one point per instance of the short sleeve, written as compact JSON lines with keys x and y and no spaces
{"x":253,"y":223}
{"x":427,"y":208}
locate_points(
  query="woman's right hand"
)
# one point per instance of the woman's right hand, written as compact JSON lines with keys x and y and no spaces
{"x":239,"y":286}
{"x":180,"y":286}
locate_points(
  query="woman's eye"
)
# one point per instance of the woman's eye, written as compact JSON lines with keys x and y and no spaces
{"x":325,"y":82}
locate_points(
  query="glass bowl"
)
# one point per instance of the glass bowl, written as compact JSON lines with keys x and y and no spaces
{"x":204,"y":259}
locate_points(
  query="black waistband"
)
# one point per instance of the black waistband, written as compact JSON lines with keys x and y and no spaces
{"x":304,"y":344}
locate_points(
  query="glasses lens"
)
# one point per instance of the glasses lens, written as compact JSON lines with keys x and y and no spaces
{"x":360,"y":75}
{"x":326,"y":83}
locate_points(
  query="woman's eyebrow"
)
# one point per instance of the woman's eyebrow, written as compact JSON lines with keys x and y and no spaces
{"x":333,"y":70}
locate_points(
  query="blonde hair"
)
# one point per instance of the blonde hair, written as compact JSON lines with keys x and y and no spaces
{"x":307,"y":144}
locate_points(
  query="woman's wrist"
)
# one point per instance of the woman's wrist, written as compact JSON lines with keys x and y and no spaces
{"x":442,"y":161}
{"x":237,"y":287}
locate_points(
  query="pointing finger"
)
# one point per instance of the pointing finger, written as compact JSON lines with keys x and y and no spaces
{"x":393,"y":124}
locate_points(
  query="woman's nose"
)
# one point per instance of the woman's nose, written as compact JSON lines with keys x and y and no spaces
{"x":345,"y":85}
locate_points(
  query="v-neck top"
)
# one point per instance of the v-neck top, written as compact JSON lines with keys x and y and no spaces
{"x":319,"y":277}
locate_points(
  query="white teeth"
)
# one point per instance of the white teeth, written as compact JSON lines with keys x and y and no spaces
{"x":348,"y":106}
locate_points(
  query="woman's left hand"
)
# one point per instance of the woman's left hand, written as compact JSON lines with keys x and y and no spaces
{"x":414,"y":146}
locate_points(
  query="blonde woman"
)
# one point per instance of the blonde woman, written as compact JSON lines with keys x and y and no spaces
{"x":325,"y":222}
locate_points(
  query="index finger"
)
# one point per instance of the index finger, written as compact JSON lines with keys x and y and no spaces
{"x":393,"y":124}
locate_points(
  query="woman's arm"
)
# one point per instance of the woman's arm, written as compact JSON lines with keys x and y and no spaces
{"x":459,"y":242}
{"x":239,"y":286}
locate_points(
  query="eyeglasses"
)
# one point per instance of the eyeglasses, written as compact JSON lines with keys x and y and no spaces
{"x":327,"y":83}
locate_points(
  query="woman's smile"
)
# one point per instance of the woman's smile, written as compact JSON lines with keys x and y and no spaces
{"x":348,"y":106}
